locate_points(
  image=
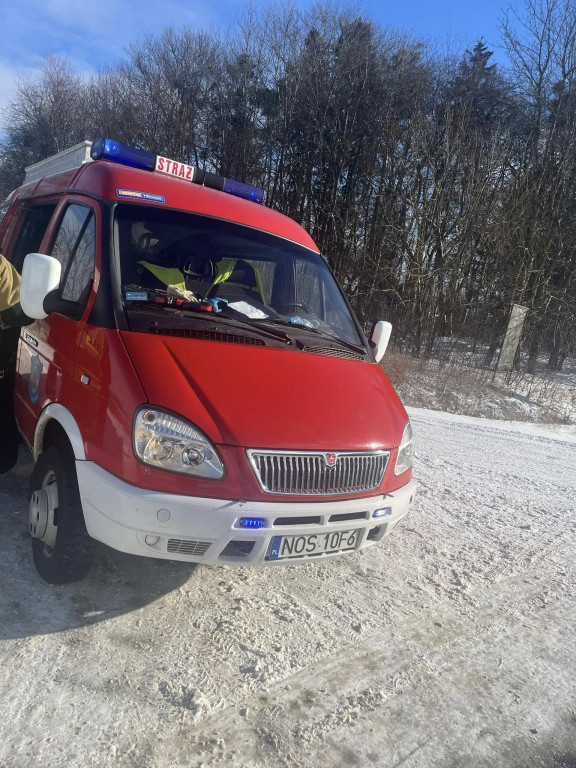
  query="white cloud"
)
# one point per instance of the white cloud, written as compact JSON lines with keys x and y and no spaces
{"x":91,"y":34}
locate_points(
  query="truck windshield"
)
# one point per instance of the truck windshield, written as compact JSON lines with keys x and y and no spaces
{"x":261,"y":276}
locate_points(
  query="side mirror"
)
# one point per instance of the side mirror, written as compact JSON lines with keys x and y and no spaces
{"x":40,"y":276}
{"x":380,"y":337}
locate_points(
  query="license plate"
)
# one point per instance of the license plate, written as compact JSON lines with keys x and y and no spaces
{"x":313,"y":544}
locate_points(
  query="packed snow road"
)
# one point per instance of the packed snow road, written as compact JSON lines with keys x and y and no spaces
{"x":451,"y":644}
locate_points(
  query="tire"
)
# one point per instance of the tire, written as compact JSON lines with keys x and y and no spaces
{"x":62,"y":549}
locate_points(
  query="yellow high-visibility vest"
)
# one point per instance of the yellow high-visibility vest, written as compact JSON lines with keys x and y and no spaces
{"x":225,"y":268}
{"x":9,"y":284}
{"x":166,"y":275}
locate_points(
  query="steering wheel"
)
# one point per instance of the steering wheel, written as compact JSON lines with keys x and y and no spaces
{"x":197,"y":268}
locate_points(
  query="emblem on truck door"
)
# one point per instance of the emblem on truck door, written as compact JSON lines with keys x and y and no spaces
{"x":330,"y":459}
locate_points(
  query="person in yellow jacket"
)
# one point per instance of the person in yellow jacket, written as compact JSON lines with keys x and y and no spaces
{"x":11,"y":318}
{"x":9,"y":285}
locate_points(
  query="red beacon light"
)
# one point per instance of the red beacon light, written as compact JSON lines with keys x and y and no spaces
{"x":106,"y":149}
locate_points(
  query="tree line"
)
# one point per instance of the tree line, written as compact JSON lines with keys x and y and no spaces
{"x":440,"y":186}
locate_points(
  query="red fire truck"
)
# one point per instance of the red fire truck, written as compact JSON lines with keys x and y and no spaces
{"x":194,"y":385}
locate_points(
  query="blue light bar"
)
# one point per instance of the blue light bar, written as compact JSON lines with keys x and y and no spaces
{"x":245,"y":191}
{"x":252,"y":522}
{"x":106,"y":149}
{"x":222,"y":184}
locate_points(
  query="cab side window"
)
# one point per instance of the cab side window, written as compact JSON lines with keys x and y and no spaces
{"x":32,"y":232}
{"x":75,"y":248}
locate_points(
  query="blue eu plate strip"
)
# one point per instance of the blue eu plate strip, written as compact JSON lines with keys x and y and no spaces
{"x":275,"y":550}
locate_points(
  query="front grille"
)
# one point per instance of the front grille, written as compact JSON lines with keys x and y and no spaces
{"x":311,"y":474}
{"x":185,"y":547}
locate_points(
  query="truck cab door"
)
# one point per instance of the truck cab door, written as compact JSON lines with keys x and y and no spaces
{"x":48,"y":347}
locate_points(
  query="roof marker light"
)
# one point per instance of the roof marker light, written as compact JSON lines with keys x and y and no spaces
{"x":106,"y":149}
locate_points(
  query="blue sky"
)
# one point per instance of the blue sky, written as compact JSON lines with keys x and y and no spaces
{"x":95,"y":34}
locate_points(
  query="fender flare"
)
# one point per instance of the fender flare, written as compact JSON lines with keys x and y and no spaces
{"x":57,"y":412}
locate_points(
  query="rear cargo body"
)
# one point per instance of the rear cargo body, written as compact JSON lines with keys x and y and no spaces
{"x":233,"y":412}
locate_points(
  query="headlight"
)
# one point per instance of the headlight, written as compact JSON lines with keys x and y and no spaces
{"x":405,"y":452}
{"x":167,"y":442}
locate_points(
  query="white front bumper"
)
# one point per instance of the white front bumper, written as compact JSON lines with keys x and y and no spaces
{"x":208,"y":530}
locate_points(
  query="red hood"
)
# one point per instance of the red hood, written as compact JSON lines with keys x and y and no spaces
{"x":262,"y":397}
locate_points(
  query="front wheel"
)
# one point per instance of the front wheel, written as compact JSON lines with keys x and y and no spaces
{"x":62,"y":549}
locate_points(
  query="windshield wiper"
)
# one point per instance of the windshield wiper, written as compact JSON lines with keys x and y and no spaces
{"x":317,"y":331}
{"x":141,"y":295}
{"x":255,"y":325}
{"x":337,"y":339}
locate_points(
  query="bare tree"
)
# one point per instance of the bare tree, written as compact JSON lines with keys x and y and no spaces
{"x":439,"y":188}
{"x":538,"y":224}
{"x":46,"y":116}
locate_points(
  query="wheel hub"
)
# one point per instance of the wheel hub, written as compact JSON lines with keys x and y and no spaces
{"x":43,"y":503}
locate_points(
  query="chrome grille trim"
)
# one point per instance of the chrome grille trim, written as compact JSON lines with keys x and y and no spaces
{"x":188,"y":547}
{"x":307,"y":473}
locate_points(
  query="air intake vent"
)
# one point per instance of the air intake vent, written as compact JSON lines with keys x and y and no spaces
{"x":184,"y":547}
{"x":343,"y":353}
{"x":192,"y":333}
{"x":318,"y":474}
{"x":237,"y":548}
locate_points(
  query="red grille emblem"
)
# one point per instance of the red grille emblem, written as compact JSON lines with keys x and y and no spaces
{"x":330,"y":459}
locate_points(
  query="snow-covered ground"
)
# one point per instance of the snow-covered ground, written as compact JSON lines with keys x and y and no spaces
{"x":459,"y":384}
{"x":450,"y":645}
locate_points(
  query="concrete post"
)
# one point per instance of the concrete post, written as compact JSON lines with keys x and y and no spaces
{"x":512,"y":338}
